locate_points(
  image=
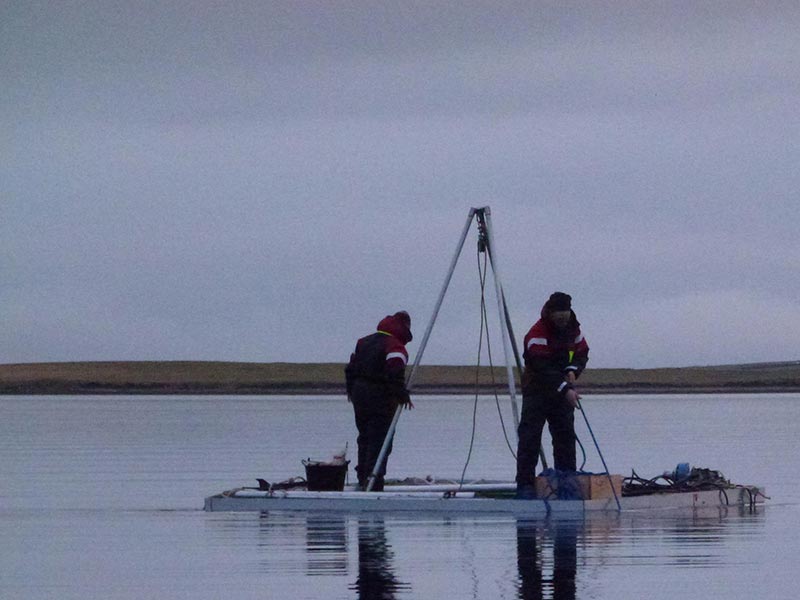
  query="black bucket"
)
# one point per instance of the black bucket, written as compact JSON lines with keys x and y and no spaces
{"x":325,"y":477}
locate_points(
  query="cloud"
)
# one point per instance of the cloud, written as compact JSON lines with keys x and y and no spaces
{"x":701,"y":328}
{"x":265,"y":181}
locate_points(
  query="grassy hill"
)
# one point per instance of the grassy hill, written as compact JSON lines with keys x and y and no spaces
{"x":295,"y":378}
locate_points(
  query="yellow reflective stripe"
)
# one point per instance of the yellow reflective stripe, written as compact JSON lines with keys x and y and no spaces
{"x":571,"y":354}
{"x":384,"y":332}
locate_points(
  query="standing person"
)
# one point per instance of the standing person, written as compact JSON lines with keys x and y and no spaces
{"x":376,"y":386}
{"x":555,"y":355}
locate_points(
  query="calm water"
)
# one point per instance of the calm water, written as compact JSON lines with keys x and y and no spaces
{"x":101,"y":497}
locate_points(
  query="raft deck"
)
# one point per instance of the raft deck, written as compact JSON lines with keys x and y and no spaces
{"x":496,"y":498}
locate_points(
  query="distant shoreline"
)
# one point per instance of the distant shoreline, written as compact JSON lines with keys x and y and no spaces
{"x":414,"y":392}
{"x":228,"y":378}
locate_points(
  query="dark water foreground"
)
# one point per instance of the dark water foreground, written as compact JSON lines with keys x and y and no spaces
{"x":100,"y":497}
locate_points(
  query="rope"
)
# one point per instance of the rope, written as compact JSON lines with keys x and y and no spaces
{"x":482,"y":279}
{"x":602,"y":459}
{"x":484,"y":327}
{"x":485,"y":318}
{"x":583,"y":452}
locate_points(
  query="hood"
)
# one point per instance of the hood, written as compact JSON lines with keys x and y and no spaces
{"x":398,"y":325}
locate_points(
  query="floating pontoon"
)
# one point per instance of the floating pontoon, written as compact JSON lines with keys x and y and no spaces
{"x":476,"y":498}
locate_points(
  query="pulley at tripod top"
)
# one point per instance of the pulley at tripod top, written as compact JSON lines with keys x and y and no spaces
{"x":483,"y":238}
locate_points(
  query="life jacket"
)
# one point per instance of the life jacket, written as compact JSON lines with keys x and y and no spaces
{"x":381,"y":356}
{"x":551,"y":353}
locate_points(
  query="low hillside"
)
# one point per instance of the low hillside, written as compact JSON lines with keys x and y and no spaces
{"x":294,"y":378}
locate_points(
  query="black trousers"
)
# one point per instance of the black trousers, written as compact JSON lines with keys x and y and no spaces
{"x":560,"y":417}
{"x":374,"y":412}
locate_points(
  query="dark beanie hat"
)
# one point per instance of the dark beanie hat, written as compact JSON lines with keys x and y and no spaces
{"x":559,"y":301}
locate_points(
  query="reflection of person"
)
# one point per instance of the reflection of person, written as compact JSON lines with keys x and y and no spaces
{"x":326,"y":544}
{"x":376,"y":578}
{"x":376,"y":386}
{"x":555,"y":355}
{"x":532,"y":585}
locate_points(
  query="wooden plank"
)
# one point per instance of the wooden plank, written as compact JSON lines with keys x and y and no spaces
{"x":584,"y":487}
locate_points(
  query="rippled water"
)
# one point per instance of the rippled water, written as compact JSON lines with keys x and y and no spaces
{"x":101,"y":497}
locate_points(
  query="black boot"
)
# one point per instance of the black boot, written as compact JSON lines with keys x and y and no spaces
{"x":526,"y":491}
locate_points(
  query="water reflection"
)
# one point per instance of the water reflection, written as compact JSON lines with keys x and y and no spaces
{"x":706,"y":537}
{"x":547,"y":559}
{"x":326,"y":544}
{"x":376,"y":578}
{"x":399,"y":556}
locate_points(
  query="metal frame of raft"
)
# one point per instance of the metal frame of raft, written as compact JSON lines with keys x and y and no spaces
{"x":446,"y":499}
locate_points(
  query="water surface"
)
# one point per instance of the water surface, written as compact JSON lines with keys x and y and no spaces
{"x":101,"y":497}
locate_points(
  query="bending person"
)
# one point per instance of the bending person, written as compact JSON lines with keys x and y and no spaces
{"x":376,"y":386}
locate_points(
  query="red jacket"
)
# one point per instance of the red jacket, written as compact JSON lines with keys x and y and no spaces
{"x":551,"y":354}
{"x":382,"y":357}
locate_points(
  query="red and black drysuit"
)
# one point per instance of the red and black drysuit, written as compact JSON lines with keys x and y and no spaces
{"x":376,"y":386}
{"x":550,"y":355}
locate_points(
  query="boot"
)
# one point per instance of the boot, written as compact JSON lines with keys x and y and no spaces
{"x":526,"y":491}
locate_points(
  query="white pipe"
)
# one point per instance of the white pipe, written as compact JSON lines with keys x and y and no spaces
{"x":453,"y":487}
{"x":409,"y":380}
{"x":507,"y":334}
{"x":439,"y":301}
{"x":350,"y":495}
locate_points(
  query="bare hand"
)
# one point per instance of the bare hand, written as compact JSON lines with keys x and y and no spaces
{"x":404,"y":400}
{"x":570,"y":377}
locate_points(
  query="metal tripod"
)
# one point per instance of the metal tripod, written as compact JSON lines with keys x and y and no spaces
{"x":486,"y":239}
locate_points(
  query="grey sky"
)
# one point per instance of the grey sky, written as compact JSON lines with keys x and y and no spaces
{"x":263,"y":181}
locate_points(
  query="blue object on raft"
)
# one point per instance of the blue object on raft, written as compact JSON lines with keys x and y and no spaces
{"x":682,"y":471}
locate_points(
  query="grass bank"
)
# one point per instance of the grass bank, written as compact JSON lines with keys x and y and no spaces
{"x":197,"y":377}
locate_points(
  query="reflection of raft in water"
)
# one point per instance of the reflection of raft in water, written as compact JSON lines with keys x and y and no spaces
{"x":564,"y":494}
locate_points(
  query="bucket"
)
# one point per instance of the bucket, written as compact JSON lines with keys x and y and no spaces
{"x":325,"y":477}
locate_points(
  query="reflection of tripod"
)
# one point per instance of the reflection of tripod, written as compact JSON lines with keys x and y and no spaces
{"x":532,"y":583}
{"x":376,"y":578}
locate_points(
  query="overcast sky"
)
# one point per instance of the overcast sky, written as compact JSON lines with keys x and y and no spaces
{"x":263,"y":181}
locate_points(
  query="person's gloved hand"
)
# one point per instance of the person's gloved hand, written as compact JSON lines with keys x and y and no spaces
{"x":572,"y":397}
